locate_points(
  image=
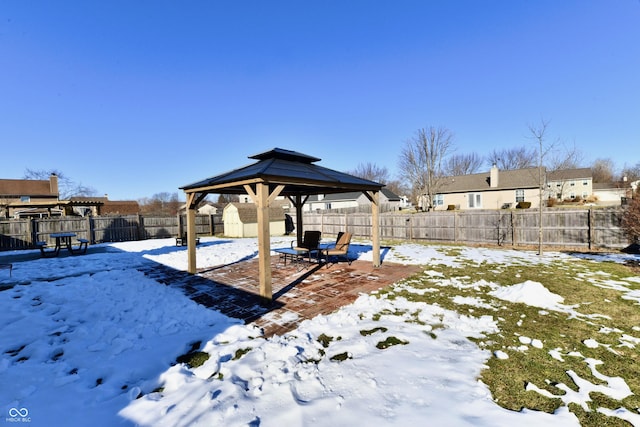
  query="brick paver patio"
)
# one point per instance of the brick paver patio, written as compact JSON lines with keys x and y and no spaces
{"x":298,"y":293}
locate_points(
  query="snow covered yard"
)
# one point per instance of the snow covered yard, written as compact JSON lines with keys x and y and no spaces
{"x":91,"y":340}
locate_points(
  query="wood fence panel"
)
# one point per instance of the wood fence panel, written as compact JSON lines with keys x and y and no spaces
{"x":396,"y":227}
{"x":116,"y":228}
{"x":15,"y":234}
{"x":607,"y":229}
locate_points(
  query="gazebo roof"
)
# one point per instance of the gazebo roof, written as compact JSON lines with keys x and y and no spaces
{"x":296,"y":171}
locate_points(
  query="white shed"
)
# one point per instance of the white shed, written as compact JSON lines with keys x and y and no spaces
{"x":241,"y":220}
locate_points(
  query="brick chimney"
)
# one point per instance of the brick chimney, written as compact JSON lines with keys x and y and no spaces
{"x":493,"y":177}
{"x":53,"y":184}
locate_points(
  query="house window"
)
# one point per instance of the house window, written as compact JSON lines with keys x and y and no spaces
{"x":585,"y":195}
{"x":585,"y":182}
{"x":573,"y":183}
{"x":572,"y":195}
{"x":25,"y":199}
{"x":519,"y":196}
{"x":438,"y":200}
{"x":475,"y":200}
{"x":327,"y":206}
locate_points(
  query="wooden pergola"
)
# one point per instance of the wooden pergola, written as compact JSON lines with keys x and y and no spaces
{"x":279,"y":172}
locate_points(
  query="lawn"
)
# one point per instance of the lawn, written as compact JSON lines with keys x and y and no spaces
{"x":480,"y":337}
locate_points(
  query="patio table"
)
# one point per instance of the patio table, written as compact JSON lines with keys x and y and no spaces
{"x":63,"y":239}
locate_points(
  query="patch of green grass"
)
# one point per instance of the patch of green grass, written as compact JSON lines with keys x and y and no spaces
{"x":241,"y":352}
{"x":340,"y":357}
{"x":193,"y":359}
{"x":325,"y":340}
{"x":593,"y":290}
{"x":390,"y":341}
{"x":373,"y":331}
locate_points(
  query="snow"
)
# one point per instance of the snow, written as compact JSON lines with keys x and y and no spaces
{"x":90,"y":340}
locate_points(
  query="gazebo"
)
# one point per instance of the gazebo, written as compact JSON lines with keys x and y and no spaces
{"x":279,"y":172}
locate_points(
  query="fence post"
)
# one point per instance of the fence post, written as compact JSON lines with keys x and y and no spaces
{"x":30,"y":232}
{"x":455,"y":226}
{"x":142,"y":234}
{"x":33,"y":231}
{"x":513,"y":228}
{"x":590,"y":224}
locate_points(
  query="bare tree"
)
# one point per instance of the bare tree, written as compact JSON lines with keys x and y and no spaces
{"x":602,"y":170}
{"x":67,"y":188}
{"x":631,"y":218}
{"x":539,"y":135}
{"x":513,"y":158}
{"x":463,"y":164}
{"x":564,"y":157}
{"x":160,"y":204}
{"x":372,"y":172}
{"x":631,"y":173}
{"x":421,"y":160}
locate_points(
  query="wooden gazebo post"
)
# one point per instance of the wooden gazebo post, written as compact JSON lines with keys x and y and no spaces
{"x":374,"y":197}
{"x":191,"y":233}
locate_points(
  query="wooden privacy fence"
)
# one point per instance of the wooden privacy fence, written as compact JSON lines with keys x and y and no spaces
{"x":582,"y":228}
{"x":23,"y":233}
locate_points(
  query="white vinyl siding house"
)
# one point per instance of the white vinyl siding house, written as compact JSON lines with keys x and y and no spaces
{"x":505,"y":189}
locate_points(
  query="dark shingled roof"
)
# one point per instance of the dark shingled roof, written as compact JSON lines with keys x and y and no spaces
{"x":25,"y":187}
{"x":508,"y":179}
{"x":296,"y":171}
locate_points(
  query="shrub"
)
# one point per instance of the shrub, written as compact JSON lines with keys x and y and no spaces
{"x":631,"y":218}
{"x":523,"y":205}
{"x":451,"y":207}
{"x":551,"y":202}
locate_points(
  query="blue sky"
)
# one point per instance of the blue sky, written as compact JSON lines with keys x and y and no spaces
{"x":135,"y":98}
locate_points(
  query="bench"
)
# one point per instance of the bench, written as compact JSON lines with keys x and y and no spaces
{"x":7,"y":267}
{"x":182,"y":241}
{"x":42,"y":245}
{"x":82,"y":246}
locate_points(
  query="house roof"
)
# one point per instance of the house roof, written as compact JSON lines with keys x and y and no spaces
{"x":25,"y":187}
{"x":122,"y":207}
{"x":296,"y":171}
{"x":87,"y":201}
{"x":611,"y":185}
{"x":507,"y":180}
{"x":354,"y":195}
{"x":248,"y":212}
{"x":561,"y":175}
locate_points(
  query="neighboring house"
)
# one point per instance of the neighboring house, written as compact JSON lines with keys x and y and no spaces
{"x":489,"y":190}
{"x":389,"y":201}
{"x":34,"y":198}
{"x":505,"y":189}
{"x":570,"y":184}
{"x":95,"y":206}
{"x":613,"y":193}
{"x":241,"y":220}
{"x":21,"y":198}
{"x":207,"y":209}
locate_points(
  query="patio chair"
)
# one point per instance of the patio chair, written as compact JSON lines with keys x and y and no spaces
{"x":310,"y":243}
{"x":339,"y":251}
